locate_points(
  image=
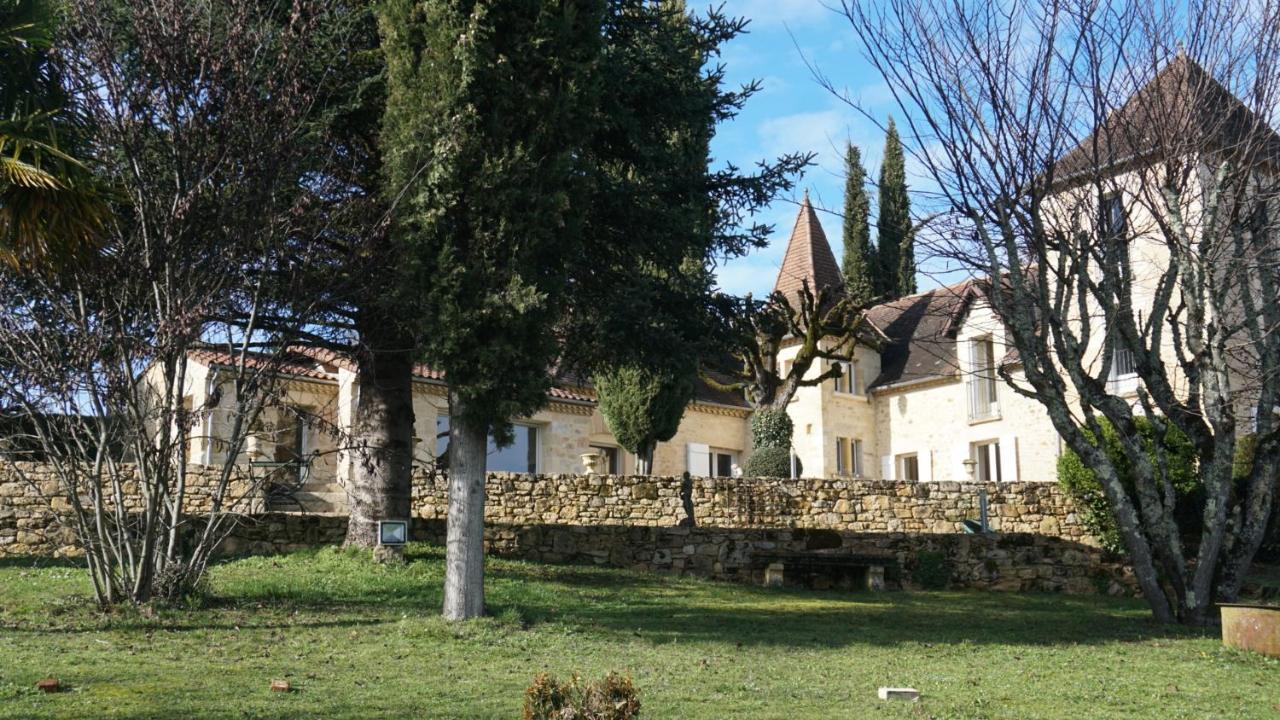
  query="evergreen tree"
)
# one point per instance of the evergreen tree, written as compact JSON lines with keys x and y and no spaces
{"x":661,"y":219}
{"x":488,"y":106}
{"x":859,"y":262}
{"x":894,"y":241}
{"x":551,"y":165}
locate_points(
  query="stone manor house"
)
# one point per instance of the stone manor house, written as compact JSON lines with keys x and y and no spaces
{"x":925,"y":406}
{"x":918,"y":409}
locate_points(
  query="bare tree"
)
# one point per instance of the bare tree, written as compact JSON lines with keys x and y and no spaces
{"x":197,"y":112}
{"x":1109,"y":170}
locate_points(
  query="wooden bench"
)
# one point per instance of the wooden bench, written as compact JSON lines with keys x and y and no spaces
{"x":820,"y":570}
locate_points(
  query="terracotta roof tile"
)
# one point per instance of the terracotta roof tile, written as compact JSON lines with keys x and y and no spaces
{"x":808,"y":256}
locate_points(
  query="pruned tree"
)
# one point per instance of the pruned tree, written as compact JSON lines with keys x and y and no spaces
{"x":824,"y":325}
{"x":195,"y":112}
{"x":1110,"y":171}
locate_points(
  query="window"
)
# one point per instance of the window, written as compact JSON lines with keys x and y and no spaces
{"x":1124,"y":364}
{"x":1259,"y":221}
{"x":983,"y":396}
{"x":987,"y":455}
{"x":847,"y":381}
{"x":521,"y":456}
{"x":909,"y":467}
{"x":705,"y":461}
{"x":723,"y":462}
{"x":612,"y":458}
{"x":1115,"y":233}
{"x":849,"y":457}
{"x":1114,"y":220}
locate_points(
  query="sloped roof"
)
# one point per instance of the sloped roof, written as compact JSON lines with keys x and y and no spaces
{"x":1182,"y":103}
{"x":921,"y":330}
{"x":310,"y":362}
{"x":289,"y":363}
{"x":808,"y":256}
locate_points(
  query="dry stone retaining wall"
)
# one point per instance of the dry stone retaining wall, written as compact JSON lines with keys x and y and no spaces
{"x":642,"y":523}
{"x":858,"y":506}
{"x":36,"y":517}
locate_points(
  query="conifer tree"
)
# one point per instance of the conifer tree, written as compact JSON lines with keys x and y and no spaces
{"x":894,"y":240}
{"x":859,"y":261}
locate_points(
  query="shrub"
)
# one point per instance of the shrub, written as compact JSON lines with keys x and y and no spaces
{"x":1081,"y":484}
{"x":643,"y":405}
{"x":768,"y":462}
{"x":772,"y":429}
{"x":933,"y":570}
{"x":613,"y":698}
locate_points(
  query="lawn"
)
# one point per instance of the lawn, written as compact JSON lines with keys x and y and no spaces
{"x":358,"y":640}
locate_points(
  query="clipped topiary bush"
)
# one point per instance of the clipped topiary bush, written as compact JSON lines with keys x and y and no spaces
{"x":771,"y":428}
{"x":613,"y":698}
{"x":774,"y":462}
{"x":1081,"y":484}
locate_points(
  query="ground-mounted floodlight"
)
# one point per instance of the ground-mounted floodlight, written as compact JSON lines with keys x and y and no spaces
{"x":393,"y":533}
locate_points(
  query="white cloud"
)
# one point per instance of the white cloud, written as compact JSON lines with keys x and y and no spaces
{"x":804,"y":132}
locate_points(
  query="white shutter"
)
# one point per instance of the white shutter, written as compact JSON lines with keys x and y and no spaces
{"x":926,"y":466}
{"x":699,"y":460}
{"x":886,"y":467}
{"x":1009,"y":470}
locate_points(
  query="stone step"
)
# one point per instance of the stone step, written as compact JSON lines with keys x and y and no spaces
{"x":318,"y":503}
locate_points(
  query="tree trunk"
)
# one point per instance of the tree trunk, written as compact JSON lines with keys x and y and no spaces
{"x":380,"y":485}
{"x":464,"y":556}
{"x":644,"y":459}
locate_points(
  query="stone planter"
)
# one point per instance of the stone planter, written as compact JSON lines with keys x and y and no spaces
{"x":1252,"y":627}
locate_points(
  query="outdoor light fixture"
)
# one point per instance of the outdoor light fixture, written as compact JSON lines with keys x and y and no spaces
{"x":393,"y":532}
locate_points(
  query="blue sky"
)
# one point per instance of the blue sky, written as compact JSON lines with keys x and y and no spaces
{"x":792,"y":113}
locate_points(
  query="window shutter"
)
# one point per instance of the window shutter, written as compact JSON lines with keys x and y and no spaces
{"x":886,"y":467}
{"x":1009,"y":471}
{"x":926,"y":466}
{"x":699,"y":460}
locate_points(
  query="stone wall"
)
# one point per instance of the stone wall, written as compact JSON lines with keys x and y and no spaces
{"x":857,"y":506}
{"x":1012,"y":562}
{"x":36,"y":516}
{"x":642,"y":523}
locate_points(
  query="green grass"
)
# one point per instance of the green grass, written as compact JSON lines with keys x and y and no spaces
{"x":359,"y":640}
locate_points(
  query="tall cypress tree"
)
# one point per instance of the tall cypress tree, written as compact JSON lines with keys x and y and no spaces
{"x":488,"y":106}
{"x":894,"y":242}
{"x":859,"y":262}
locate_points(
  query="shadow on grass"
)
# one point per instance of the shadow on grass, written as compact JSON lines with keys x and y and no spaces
{"x":333,"y":588}
{"x":629,"y":605}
